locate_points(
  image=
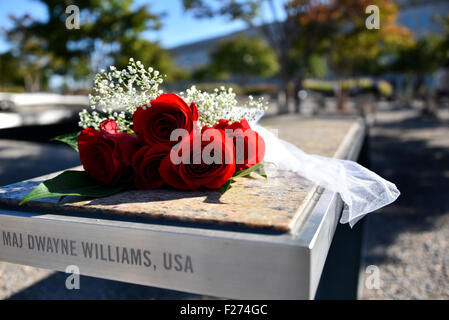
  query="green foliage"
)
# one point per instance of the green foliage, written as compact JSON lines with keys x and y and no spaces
{"x":70,"y":139}
{"x":11,"y":74}
{"x":110,"y":32}
{"x":363,"y":84}
{"x":231,"y":9}
{"x":226,"y":186}
{"x":385,"y":88}
{"x":256,"y":168}
{"x":305,"y":31}
{"x":244,"y":57}
{"x":444,"y":46}
{"x":209,"y":73}
{"x":71,"y":183}
{"x":318,"y":85}
{"x":358,"y":49}
{"x":260,"y":89}
{"x":317,"y":66}
{"x":149,"y":53}
{"x":424,"y":56}
{"x":30,"y":55}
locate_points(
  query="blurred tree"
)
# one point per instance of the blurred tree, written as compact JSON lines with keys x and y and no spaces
{"x":339,"y":28}
{"x":150,"y":54}
{"x":421,"y":58}
{"x":442,"y":87}
{"x":110,"y":32}
{"x":317,"y":66}
{"x":445,"y":43}
{"x":244,"y":57}
{"x":280,"y":34}
{"x":357,"y":46}
{"x":305,"y":28}
{"x":424,"y":57}
{"x":358,"y":50}
{"x":10,"y":72}
{"x":208,"y":73}
{"x":27,"y":55}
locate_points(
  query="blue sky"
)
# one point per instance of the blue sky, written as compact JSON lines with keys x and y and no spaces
{"x":178,"y":27}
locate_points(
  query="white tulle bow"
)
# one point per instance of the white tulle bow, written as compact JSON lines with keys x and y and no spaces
{"x":361,"y":190}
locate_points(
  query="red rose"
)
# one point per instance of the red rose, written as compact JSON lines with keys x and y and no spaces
{"x":249,"y":145}
{"x":106,"y":154}
{"x":226,"y":124}
{"x":125,"y":145}
{"x":167,"y":112}
{"x":194,"y":170}
{"x":146,"y":163}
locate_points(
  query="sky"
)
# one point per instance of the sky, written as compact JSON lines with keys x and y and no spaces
{"x":178,"y":27}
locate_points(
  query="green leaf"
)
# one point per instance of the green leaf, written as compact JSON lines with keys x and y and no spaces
{"x":70,"y":138}
{"x":247,"y":172}
{"x":261,"y":172}
{"x":71,"y":183}
{"x":226,"y":186}
{"x":257,"y":168}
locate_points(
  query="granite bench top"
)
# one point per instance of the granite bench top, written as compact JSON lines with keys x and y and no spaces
{"x":276,"y":203}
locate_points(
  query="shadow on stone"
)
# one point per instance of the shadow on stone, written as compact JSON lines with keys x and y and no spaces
{"x":54,"y":288}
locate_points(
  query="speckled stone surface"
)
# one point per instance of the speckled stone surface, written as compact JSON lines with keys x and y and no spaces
{"x":252,"y":202}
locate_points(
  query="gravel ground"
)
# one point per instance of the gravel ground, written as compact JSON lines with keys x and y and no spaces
{"x":14,"y":278}
{"x":409,"y":240}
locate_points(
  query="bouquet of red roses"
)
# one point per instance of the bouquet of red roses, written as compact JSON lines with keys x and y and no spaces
{"x":185,"y":141}
{"x":163,"y":149}
{"x":138,"y":137}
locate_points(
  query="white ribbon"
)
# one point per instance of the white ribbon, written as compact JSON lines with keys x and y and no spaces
{"x":361,"y":190}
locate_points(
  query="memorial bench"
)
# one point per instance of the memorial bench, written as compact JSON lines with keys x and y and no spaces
{"x":263,"y":239}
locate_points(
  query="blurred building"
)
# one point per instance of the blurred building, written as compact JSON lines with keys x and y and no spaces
{"x":196,"y":54}
{"x":422,"y":16}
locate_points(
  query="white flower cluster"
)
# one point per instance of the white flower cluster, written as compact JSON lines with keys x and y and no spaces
{"x":118,"y":92}
{"x":222,"y":104}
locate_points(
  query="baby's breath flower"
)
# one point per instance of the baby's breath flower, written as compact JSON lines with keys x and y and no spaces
{"x":222,"y":104}
{"x":118,"y":93}
{"x":121,"y":91}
